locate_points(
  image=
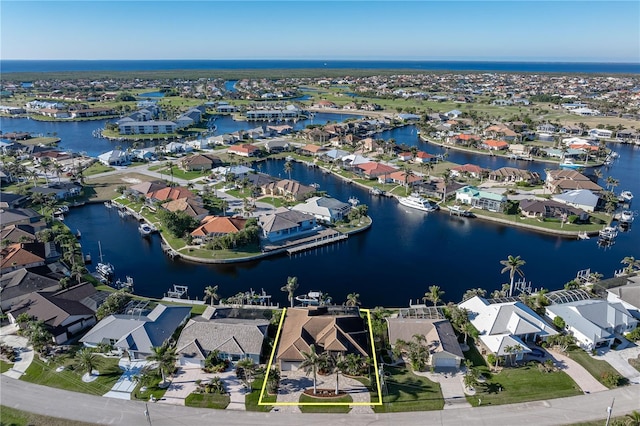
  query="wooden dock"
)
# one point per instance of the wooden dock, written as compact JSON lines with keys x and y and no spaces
{"x":320,"y":241}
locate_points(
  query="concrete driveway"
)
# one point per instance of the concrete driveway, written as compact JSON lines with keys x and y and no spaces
{"x":24,"y":352}
{"x":452,"y":387}
{"x":620,"y":361}
{"x":578,"y":373}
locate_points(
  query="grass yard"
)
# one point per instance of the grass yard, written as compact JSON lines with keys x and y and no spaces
{"x":407,"y":392}
{"x":96,"y":168}
{"x":152,"y":389}
{"x":207,"y":400}
{"x":46,"y":375}
{"x":5,"y":366}
{"x":251,"y":399}
{"x":596,"y":367}
{"x":326,"y":406}
{"x":12,"y":417}
{"x":521,"y":384}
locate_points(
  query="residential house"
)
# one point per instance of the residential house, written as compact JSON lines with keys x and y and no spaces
{"x":314,"y":150}
{"x":189,"y":206}
{"x":129,"y":126}
{"x":115,"y":157}
{"x":17,"y":285}
{"x":18,"y":233}
{"x":627,"y":294}
{"x":331,"y":334}
{"x":22,"y":255}
{"x":290,"y":189}
{"x":405,"y":156}
{"x":506,"y":328}
{"x":481,"y":199}
{"x":424,"y":157}
{"x":580,"y":198}
{"x":463,"y":139}
{"x":600,"y":133}
{"x":200,"y":162}
{"x":403,"y":178}
{"x":513,"y":175}
{"x":373,"y":170}
{"x":138,"y":332}
{"x":593,"y":322}
{"x":63,"y":312}
{"x":501,"y":132}
{"x":325,"y":209}
{"x":276,"y":145}
{"x":233,"y":172}
{"x":217,"y":226}
{"x":471,"y":170}
{"x":10,"y":216}
{"x":60,"y":191}
{"x":550,"y":209}
{"x":234,"y":339}
{"x":286,"y":224}
{"x":444,"y":349}
{"x":494,"y":145}
{"x":169,"y":193}
{"x":562,"y":180}
{"x":144,"y":188}
{"x":9,"y":200}
{"x":244,"y":150}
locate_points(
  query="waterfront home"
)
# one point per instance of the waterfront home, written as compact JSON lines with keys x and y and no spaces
{"x":494,"y":145}
{"x":313,"y":150}
{"x":405,"y":156}
{"x":11,"y":216}
{"x":17,"y":285}
{"x":226,"y":139}
{"x":325,"y":104}
{"x":545,"y":209}
{"x":289,"y":189}
{"x":580,"y":198}
{"x":286,"y":224}
{"x":18,"y":233}
{"x":593,"y":322}
{"x":562,"y":154}
{"x":627,"y":294}
{"x":274,"y":146}
{"x":144,"y":188}
{"x":325,"y":209}
{"x":137,"y":332}
{"x":331,"y":334}
{"x":373,"y":170}
{"x":352,"y":161}
{"x":334,"y":154}
{"x":200,"y":162}
{"x":315,"y":135}
{"x":22,"y":255}
{"x":169,"y":193}
{"x":176,"y":148}
{"x":513,"y":175}
{"x":499,"y":131}
{"x":280,"y":130}
{"x":64,"y":313}
{"x":444,"y":349}
{"x":424,"y":157}
{"x":600,"y":133}
{"x":115,"y":157}
{"x":471,"y":170}
{"x":226,"y":109}
{"x":370,"y":145}
{"x":231,"y":173}
{"x":571,"y":130}
{"x":402,"y":178}
{"x":217,"y":226}
{"x":234,"y":339}
{"x":463,"y":139}
{"x":144,"y":154}
{"x":91,"y":112}
{"x":546,"y":128}
{"x":561,"y":180}
{"x":407,"y":117}
{"x":60,"y":191}
{"x":506,"y":328}
{"x":9,"y":200}
{"x":190,"y":206}
{"x":244,"y":150}
{"x":481,"y":199}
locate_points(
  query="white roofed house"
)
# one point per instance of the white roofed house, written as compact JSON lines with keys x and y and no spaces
{"x":507,"y":325}
{"x":115,"y":157}
{"x":325,"y":209}
{"x":580,"y":198}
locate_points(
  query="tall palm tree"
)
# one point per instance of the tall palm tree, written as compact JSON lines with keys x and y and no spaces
{"x":165,"y":355}
{"x":310,"y":364}
{"x":353,"y":299}
{"x":287,"y":168}
{"x":338,"y":365}
{"x":631,"y":263}
{"x":434,"y":295}
{"x":86,"y":360}
{"x":512,"y":264}
{"x":290,"y":288}
{"x":211,"y":293}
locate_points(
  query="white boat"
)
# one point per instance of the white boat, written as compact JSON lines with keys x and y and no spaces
{"x":313,"y":298}
{"x":568,"y":163}
{"x":104,"y":269}
{"x":61,"y":210}
{"x":460,"y":211}
{"x":417,"y":202}
{"x":145,"y":229}
{"x":608,"y":233}
{"x":376,"y":191}
{"x":626,"y":216}
{"x":583,"y":235}
{"x":626,"y":196}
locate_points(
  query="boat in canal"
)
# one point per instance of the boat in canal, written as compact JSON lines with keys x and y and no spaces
{"x":146,"y":229}
{"x":626,"y":197}
{"x":313,"y":298}
{"x":608,"y":233}
{"x":626,"y":217}
{"x":460,"y":211}
{"x":105,"y":270}
{"x":417,"y":202}
{"x":568,"y":163}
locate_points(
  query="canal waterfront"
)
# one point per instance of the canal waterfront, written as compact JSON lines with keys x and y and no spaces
{"x":403,"y":253}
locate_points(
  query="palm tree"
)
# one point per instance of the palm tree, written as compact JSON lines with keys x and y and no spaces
{"x":165,"y":356}
{"x":353,"y":299}
{"x":290,"y":288}
{"x":631,"y":263}
{"x":473,"y":292}
{"x":249,"y":369}
{"x":310,"y":364}
{"x":287,"y":168}
{"x":211,"y":293}
{"x":338,"y":365}
{"x":86,"y":360}
{"x":512,"y":264}
{"x":408,"y":174}
{"x":434,"y":295}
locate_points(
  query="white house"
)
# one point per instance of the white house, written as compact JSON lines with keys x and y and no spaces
{"x":628,"y":295}
{"x":593,"y":322}
{"x":580,"y":198}
{"x":505,"y":326}
{"x":601,"y":133}
{"x":115,"y":157}
{"x":328,"y":210}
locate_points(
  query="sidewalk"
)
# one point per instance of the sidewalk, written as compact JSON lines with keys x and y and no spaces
{"x":24,"y":352}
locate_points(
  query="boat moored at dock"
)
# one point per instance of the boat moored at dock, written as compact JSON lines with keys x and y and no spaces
{"x":417,"y":202}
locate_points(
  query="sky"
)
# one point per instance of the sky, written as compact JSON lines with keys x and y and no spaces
{"x":558,"y":31}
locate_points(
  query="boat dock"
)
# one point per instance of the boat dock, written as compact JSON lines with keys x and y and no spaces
{"x":317,"y":242}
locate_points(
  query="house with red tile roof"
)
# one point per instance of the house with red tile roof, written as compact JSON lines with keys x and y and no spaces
{"x":494,"y":145}
{"x":244,"y":150}
{"x":400,"y":176}
{"x":217,"y":226}
{"x":463,"y":139}
{"x":470,"y":169}
{"x":311,"y":149}
{"x":424,"y":157}
{"x":170,"y":193}
{"x":374,"y":169}
{"x":21,"y":255}
{"x":325,"y":104}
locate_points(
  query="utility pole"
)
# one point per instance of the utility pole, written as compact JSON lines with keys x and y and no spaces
{"x":609,"y":410}
{"x":146,"y":413}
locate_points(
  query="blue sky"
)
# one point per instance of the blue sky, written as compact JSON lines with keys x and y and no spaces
{"x":606,"y":31}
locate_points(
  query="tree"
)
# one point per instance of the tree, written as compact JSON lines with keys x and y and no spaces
{"x":559,"y":322}
{"x":631,"y":263}
{"x":37,"y":334}
{"x":512,"y":265}
{"x":211,"y":293}
{"x":310,"y":364}
{"x":290,"y":288}
{"x":338,"y":365}
{"x":248,"y":371}
{"x":287,"y":168}
{"x":114,"y":303}
{"x":86,"y":360}
{"x":273,"y":381}
{"x":165,"y":355}
{"x":434,"y":295}
{"x":473,"y":292}
{"x":353,"y":299}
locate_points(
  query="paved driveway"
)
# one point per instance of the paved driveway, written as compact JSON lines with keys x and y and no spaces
{"x":620,"y":361}
{"x":126,"y":384}
{"x":582,"y":377}
{"x":23,"y":351}
{"x":452,"y":386}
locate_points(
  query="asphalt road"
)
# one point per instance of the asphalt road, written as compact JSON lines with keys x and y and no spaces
{"x":76,"y":406}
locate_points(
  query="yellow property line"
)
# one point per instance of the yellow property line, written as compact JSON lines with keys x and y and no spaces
{"x":273,"y":352}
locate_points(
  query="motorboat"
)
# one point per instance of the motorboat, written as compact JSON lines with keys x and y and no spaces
{"x":568,"y":163}
{"x":313,"y":298}
{"x":417,"y":202}
{"x":626,"y":196}
{"x":460,"y":211}
{"x":626,"y":216}
{"x":376,"y":191}
{"x":146,"y":229}
{"x":608,"y":233}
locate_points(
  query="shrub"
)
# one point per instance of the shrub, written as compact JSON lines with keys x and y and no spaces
{"x":610,"y":380}
{"x":559,"y":322}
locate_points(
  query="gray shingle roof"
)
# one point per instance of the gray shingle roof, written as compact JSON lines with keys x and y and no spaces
{"x":228,"y":336}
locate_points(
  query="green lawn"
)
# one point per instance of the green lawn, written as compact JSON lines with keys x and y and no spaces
{"x":595,"y":367}
{"x":326,"y":406}
{"x":207,"y":400}
{"x":407,"y":392}
{"x":152,"y":389}
{"x":96,"y":168}
{"x":5,"y":366}
{"x":521,"y":384}
{"x":251,"y":399}
{"x":12,"y":417}
{"x":46,"y":375}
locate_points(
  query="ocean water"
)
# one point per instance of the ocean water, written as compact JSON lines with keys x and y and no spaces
{"x":12,"y":66}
